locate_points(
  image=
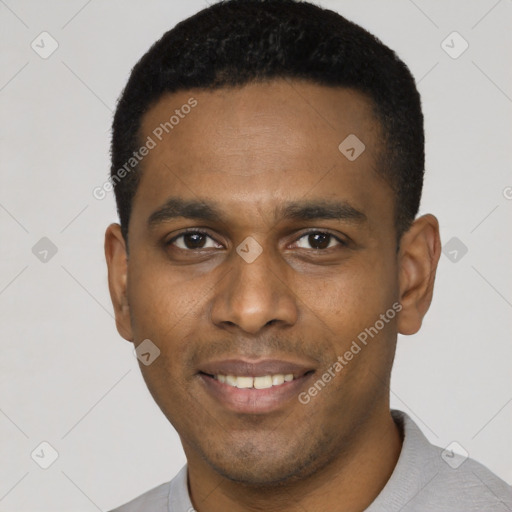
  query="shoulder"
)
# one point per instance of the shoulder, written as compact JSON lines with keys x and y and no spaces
{"x":168,"y":496}
{"x":431,"y":478}
{"x":463,"y":484}
{"x":156,"y":500}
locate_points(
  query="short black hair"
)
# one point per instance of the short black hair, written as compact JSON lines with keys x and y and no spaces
{"x":236,"y":42}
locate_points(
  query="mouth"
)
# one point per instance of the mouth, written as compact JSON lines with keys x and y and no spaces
{"x":262,"y":387}
{"x":260,"y":382}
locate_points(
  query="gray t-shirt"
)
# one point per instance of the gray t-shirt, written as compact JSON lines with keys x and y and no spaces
{"x":424,"y":479}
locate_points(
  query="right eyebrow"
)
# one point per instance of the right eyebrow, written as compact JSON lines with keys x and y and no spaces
{"x":176,"y":207}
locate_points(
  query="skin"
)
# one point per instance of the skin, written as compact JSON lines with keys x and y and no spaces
{"x":250,"y":150}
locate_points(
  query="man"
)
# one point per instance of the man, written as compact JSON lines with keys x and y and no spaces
{"x":267,"y":160}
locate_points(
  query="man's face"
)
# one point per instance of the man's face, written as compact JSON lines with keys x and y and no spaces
{"x":265,"y":157}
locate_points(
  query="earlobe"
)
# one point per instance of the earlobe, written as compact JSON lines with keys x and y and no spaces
{"x":419,"y":254}
{"x":117,"y":263}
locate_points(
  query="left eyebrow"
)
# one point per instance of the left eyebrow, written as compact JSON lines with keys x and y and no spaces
{"x":318,"y":209}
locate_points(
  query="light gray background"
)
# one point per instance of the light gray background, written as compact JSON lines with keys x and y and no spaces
{"x":68,"y":378}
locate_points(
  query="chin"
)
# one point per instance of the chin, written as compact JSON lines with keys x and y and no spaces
{"x":255,"y":468}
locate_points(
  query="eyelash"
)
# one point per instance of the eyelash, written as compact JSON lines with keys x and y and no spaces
{"x":341,"y":242}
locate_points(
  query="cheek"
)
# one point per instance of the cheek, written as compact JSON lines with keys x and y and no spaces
{"x":169,"y":309}
{"x":353,"y":297}
{"x":350,"y":304}
{"x":163,"y":310}
{"x":160,"y":299}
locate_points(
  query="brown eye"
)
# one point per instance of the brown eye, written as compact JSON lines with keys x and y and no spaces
{"x":319,"y":240}
{"x":194,"y":240}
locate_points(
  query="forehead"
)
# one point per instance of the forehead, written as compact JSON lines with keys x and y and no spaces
{"x":259,"y":145}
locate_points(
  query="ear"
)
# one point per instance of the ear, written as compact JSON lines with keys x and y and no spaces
{"x":117,"y":263}
{"x":420,"y":249}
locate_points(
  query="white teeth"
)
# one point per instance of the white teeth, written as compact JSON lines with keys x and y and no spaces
{"x":277,"y":379}
{"x":261,"y":382}
{"x":231,"y":380}
{"x":244,"y":382}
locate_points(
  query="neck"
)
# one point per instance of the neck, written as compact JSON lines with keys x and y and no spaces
{"x":348,"y":483}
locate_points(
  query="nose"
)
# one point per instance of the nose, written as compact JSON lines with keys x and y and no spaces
{"x":254,"y":295}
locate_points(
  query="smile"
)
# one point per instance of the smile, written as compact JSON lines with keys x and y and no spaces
{"x":261,"y":382}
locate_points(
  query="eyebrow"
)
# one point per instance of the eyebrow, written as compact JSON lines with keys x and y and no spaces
{"x":320,"y":209}
{"x":176,"y":207}
{"x":304,"y":210}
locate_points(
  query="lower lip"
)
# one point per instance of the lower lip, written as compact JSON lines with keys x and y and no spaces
{"x":254,"y":401}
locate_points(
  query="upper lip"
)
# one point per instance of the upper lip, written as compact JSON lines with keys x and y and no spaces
{"x":254,"y":368}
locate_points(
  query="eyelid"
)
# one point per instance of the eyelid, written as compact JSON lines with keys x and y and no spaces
{"x":200,"y":231}
{"x":343,"y":243}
